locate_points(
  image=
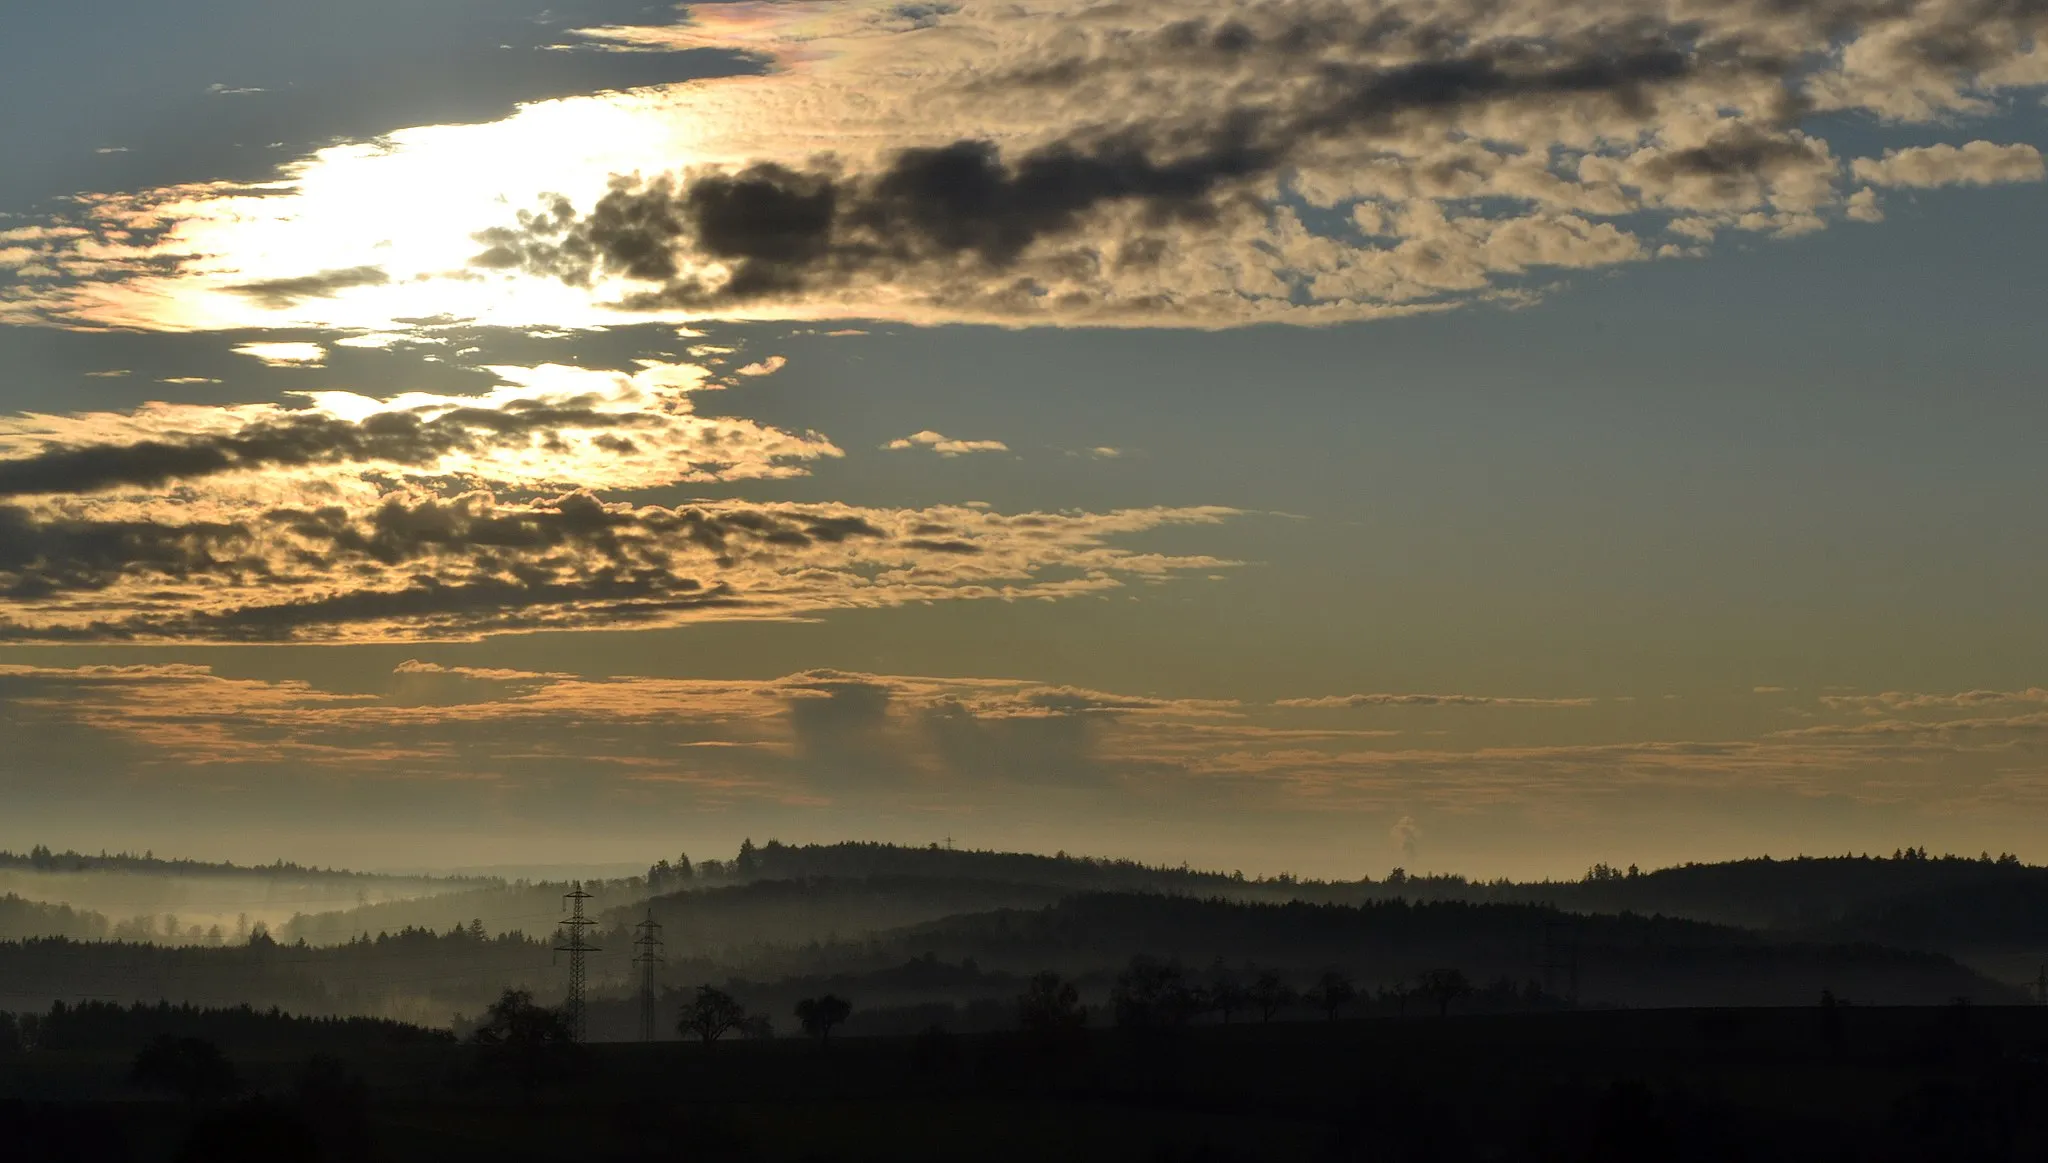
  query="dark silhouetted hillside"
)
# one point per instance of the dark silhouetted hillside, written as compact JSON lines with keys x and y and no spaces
{"x":1624,"y":960}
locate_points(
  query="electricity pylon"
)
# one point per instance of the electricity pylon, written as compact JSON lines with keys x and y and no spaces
{"x":647,"y":955}
{"x":576,"y":947}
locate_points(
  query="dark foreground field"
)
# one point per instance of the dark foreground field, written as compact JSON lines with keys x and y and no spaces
{"x":1958,"y":1083}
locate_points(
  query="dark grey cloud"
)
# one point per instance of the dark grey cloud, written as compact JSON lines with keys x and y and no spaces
{"x":42,"y":557}
{"x":403,"y":529}
{"x":280,"y":293}
{"x":1736,"y":155}
{"x":504,"y":605}
{"x":1059,"y":749}
{"x":844,"y":734}
{"x":47,"y":554}
{"x":781,"y":230}
{"x":295,"y":440}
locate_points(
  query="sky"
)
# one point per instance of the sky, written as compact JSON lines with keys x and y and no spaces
{"x":1489,"y":436}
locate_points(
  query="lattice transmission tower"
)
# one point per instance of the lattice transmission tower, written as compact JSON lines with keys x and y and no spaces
{"x":647,"y":955}
{"x":575,"y":946}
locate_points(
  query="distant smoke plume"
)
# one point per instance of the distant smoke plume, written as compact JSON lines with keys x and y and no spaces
{"x":1404,"y":834}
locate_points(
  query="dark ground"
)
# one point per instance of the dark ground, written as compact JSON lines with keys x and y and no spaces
{"x":1854,"y":1083}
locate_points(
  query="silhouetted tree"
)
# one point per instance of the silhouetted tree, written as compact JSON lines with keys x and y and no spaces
{"x":1270,"y":994}
{"x":1331,"y":993}
{"x":531,"y":1043}
{"x":1050,"y":1006}
{"x":1443,"y":986}
{"x":1226,"y":992}
{"x":820,"y":1014}
{"x":757,"y":1028}
{"x":1151,"y":994}
{"x":711,"y":1014}
{"x":192,"y":1068}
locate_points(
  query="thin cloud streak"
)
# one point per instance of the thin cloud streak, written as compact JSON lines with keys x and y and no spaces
{"x":942,"y":444}
{"x":1355,"y":702}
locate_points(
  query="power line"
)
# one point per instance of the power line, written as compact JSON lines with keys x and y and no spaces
{"x":576,"y":947}
{"x":647,"y":955}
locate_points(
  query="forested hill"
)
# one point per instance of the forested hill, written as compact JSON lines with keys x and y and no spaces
{"x":26,"y":918}
{"x":1627,"y":960}
{"x":734,"y":921}
{"x":1911,"y":899}
{"x":422,"y":976}
{"x":41,"y":859}
{"x":778,"y":861}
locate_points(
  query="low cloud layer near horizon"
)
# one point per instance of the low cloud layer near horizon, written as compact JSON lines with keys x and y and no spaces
{"x":831,"y":754}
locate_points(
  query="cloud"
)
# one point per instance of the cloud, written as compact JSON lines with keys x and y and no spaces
{"x":889,"y":743}
{"x":1330,"y":702}
{"x":1361,"y":104}
{"x":1096,"y":162}
{"x":809,"y":731}
{"x":278,"y":294}
{"x":943,"y":445}
{"x":1912,"y":701}
{"x":1976,"y":163}
{"x":411,"y":566}
{"x":110,"y":374}
{"x":545,"y":426}
{"x":284,"y":354}
{"x":766,"y":367}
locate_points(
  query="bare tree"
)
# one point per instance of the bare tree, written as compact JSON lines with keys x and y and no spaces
{"x":529,"y":1042}
{"x":1270,"y":995}
{"x":1151,"y":993}
{"x":1050,"y":1006}
{"x":1227,"y":992}
{"x":1331,"y":993}
{"x":711,"y":1014}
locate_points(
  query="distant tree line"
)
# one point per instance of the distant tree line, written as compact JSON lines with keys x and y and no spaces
{"x":104,"y":1027}
{"x":41,"y":859}
{"x":775,"y":860}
